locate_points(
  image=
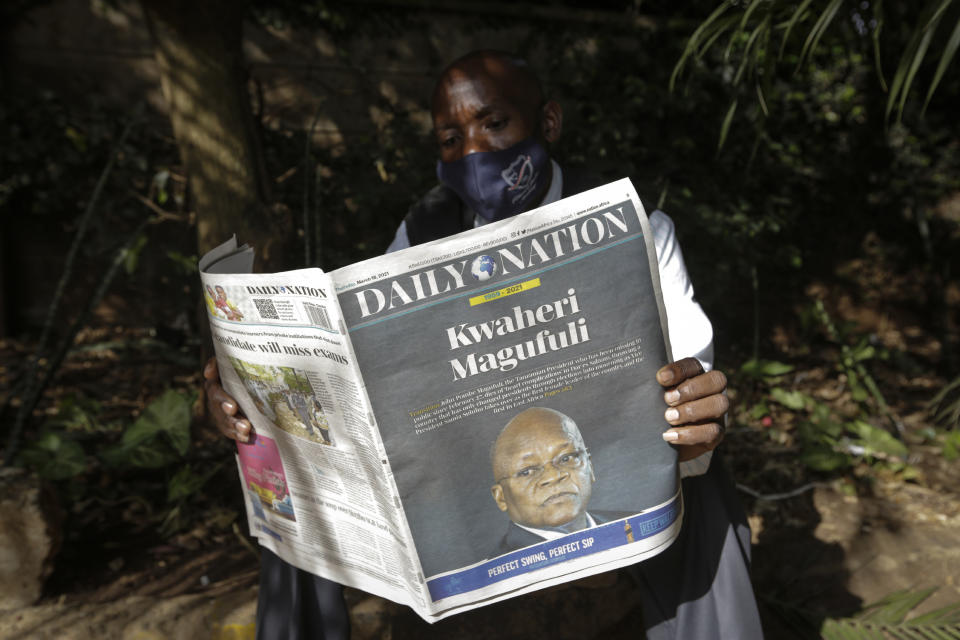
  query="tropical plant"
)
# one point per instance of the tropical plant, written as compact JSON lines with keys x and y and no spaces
{"x":945,"y":406}
{"x":762,"y":37}
{"x":886,"y":619}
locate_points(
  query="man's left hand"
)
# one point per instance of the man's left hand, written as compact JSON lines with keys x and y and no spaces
{"x":697,"y":407}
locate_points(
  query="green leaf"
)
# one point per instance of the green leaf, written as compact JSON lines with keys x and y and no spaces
{"x":741,"y":28}
{"x":863,"y":351}
{"x":819,"y":27}
{"x":887,"y":619}
{"x":759,"y":410}
{"x":794,"y":18}
{"x":913,"y":55}
{"x":765,"y":368}
{"x":145,"y":456}
{"x":893,"y":608}
{"x":876,"y":440}
{"x":748,"y":49}
{"x":78,"y":139}
{"x":183,"y":484}
{"x":187,"y":265}
{"x":54,"y":457}
{"x":165,"y":424}
{"x":721,"y":27}
{"x":945,"y":58}
{"x":725,"y":127}
{"x":131,"y":255}
{"x":762,"y":101}
{"x":951,"y":446}
{"x":170,"y":415}
{"x":823,"y":459}
{"x":821,"y":428}
{"x":795,"y":400}
{"x":877,"y":60}
{"x":695,"y":38}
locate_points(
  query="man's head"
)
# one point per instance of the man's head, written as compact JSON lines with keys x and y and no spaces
{"x":542,"y":471}
{"x":488,"y":102}
{"x":221,"y":294}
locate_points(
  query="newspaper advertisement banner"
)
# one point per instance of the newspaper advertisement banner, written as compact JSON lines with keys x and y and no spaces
{"x":511,"y":374}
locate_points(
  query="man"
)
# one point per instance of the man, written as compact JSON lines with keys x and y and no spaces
{"x":543,"y":479}
{"x":489,"y":110}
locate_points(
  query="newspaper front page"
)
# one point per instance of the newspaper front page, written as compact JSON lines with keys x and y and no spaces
{"x":504,"y":434}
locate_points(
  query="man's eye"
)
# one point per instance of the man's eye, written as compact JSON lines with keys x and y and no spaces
{"x":569,"y":459}
{"x":449,"y":141}
{"x":495,"y":124}
{"x":526,"y":472}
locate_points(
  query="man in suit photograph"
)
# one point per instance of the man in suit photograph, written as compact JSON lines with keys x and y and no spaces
{"x":543,"y":479}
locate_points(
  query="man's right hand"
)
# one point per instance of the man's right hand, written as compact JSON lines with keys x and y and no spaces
{"x":223,"y":408}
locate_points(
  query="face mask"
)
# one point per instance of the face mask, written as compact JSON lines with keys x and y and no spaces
{"x":498,"y":184}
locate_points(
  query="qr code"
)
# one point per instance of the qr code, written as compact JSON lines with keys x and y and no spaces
{"x":318,"y":315}
{"x":266,"y":309}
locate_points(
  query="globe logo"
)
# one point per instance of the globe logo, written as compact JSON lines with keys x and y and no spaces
{"x":483,"y":268}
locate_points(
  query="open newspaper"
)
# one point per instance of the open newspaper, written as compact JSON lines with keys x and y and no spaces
{"x":462,"y":421}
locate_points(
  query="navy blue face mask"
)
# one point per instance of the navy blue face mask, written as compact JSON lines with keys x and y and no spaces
{"x":499,"y":184}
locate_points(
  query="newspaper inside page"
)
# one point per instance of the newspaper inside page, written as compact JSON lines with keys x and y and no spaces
{"x":317,"y":485}
{"x":551,"y":321}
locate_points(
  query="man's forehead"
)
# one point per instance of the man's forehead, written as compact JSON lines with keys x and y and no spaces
{"x":526,"y":434}
{"x":485,"y":81}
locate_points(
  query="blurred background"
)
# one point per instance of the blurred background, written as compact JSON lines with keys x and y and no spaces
{"x":807,"y":151}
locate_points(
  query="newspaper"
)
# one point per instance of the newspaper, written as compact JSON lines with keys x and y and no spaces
{"x":380,"y":395}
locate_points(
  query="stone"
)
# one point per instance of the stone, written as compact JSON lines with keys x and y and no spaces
{"x":30,"y":535}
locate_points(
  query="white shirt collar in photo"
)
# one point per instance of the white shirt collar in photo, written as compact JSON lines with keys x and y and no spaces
{"x":549,"y":534}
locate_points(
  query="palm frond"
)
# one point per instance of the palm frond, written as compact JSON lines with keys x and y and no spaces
{"x":817,"y":31}
{"x":751,"y":55}
{"x":948,"y":52}
{"x":725,"y":127}
{"x":913,"y":56}
{"x":695,"y":38}
{"x":886,"y":619}
{"x":945,"y":407}
{"x":875,"y":36}
{"x":795,"y":17}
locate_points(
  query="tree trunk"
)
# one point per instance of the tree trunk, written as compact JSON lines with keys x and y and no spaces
{"x":198,"y":49}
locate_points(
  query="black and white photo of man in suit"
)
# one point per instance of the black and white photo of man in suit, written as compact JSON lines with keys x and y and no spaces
{"x":543,"y":479}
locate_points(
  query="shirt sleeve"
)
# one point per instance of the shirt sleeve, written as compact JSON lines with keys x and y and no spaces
{"x":691,"y":333}
{"x":400,"y":239}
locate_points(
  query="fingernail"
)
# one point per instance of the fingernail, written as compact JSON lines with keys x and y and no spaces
{"x":672,"y":396}
{"x":671,"y":436}
{"x":671,"y":415}
{"x":665,"y":376}
{"x":227,"y":407}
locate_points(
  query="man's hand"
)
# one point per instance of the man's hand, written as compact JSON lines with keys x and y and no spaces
{"x":222,"y":407}
{"x":696,"y":407}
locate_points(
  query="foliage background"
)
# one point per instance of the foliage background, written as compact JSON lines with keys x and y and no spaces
{"x":821,"y":229}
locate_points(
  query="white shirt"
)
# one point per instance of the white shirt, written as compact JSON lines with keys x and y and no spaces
{"x":691,"y":333}
{"x":550,"y":534}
